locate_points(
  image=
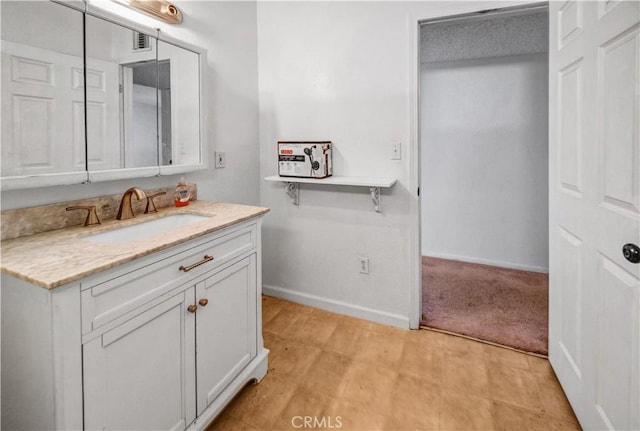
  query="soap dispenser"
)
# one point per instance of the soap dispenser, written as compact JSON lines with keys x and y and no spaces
{"x":182,"y":195}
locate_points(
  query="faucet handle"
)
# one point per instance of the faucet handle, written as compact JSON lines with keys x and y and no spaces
{"x":92,"y":215}
{"x":151,"y":206}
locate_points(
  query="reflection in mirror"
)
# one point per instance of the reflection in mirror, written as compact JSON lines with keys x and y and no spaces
{"x":179,"y":106}
{"x":140,"y":122}
{"x":122,"y":107}
{"x":42,"y":89}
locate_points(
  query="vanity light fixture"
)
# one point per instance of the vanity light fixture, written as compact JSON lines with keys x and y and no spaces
{"x":160,"y":9}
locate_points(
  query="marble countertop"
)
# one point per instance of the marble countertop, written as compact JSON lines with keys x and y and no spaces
{"x":52,"y":259}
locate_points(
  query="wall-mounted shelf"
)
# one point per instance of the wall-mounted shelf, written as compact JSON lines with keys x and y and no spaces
{"x":292,"y":187}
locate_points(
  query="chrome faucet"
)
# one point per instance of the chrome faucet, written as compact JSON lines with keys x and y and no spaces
{"x":125,"y":211}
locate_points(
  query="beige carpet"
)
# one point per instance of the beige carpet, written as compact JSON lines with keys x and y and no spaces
{"x":504,"y":306}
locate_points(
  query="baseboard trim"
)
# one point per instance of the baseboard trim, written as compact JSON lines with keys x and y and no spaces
{"x":498,"y":263}
{"x":336,"y":306}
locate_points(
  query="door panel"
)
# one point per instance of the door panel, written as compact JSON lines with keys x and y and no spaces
{"x":594,"y":169}
{"x":619,"y":65}
{"x":103,"y":115}
{"x":570,"y":289}
{"x":570,"y":22}
{"x":121,"y":368}
{"x":229,"y":320}
{"x":617,"y":294}
{"x":570,"y":121}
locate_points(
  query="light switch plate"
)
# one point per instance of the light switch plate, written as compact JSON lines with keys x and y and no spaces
{"x":396,"y":151}
{"x":364,"y":264}
{"x":221,"y":159}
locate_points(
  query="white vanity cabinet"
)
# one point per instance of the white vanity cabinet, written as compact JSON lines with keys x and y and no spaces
{"x":140,"y":374}
{"x":161,"y":342}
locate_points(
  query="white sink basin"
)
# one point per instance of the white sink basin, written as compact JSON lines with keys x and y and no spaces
{"x":144,"y":230}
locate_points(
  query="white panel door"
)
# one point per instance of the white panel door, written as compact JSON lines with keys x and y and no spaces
{"x":42,"y":111}
{"x":594,"y":208}
{"x":226,"y":328}
{"x":103,"y":115}
{"x":140,"y":374}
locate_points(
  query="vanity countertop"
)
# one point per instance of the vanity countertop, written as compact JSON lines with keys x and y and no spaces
{"x":52,"y":259}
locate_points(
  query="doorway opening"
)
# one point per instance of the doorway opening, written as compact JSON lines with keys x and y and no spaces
{"x":484,"y":175}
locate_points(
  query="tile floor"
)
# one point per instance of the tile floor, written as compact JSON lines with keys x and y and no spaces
{"x":350,"y":374}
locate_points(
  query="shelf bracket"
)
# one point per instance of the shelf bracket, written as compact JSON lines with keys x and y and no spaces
{"x":375,"y":197}
{"x":293,"y":191}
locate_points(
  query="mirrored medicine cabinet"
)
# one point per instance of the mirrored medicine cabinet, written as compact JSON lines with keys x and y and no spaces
{"x":143,"y":93}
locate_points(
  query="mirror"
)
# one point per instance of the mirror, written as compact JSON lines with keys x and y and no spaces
{"x":122,"y":102}
{"x":179,"y":105}
{"x":42,"y":92}
{"x":143,"y":111}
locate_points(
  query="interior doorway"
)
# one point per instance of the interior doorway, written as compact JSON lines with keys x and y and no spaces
{"x":484,"y":175}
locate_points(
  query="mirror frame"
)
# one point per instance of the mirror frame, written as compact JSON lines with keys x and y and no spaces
{"x":87,"y":176}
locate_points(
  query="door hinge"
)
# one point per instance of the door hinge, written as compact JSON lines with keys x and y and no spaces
{"x":418,"y":191}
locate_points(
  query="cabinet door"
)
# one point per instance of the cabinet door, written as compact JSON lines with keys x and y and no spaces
{"x":140,"y":375}
{"x":225,"y":328}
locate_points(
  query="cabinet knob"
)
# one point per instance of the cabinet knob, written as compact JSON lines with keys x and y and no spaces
{"x":192,"y":308}
{"x":203,"y":302}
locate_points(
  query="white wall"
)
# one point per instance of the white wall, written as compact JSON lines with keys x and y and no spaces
{"x":20,"y":23}
{"x":484,"y":150}
{"x":227,"y":30}
{"x":342,"y":71}
{"x":145,"y":126}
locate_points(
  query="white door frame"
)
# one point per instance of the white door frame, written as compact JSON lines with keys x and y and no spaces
{"x":415,"y":208}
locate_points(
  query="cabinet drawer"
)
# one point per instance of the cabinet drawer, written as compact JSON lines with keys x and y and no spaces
{"x":113,"y":297}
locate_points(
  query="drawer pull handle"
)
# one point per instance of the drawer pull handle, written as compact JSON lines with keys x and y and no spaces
{"x":192,"y":308}
{"x":203,"y":302}
{"x":206,"y":259}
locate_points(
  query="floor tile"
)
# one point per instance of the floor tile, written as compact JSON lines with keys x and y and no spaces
{"x":505,"y":357}
{"x":465,"y":412}
{"x":381,"y":348}
{"x":357,"y":416}
{"x":299,"y":308}
{"x":293,"y":361}
{"x":414,"y":404}
{"x":346,"y":339}
{"x":270,"y":307}
{"x":369,"y":385}
{"x":225,"y":422}
{"x":463,"y":347}
{"x":554,"y":401}
{"x":431,"y":339}
{"x":542,"y":370}
{"x":327,"y":374}
{"x":283,"y":323}
{"x":273,"y":342}
{"x":310,"y":329}
{"x":421,"y":359}
{"x":514,"y":386}
{"x":259,"y":405}
{"x":465,"y":375}
{"x":361,"y":324}
{"x":305,"y":407}
{"x":510,"y":418}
